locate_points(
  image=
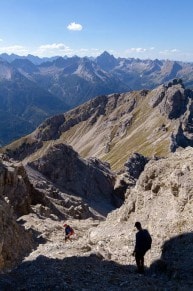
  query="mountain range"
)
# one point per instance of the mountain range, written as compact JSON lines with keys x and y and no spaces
{"x":33,"y":88}
{"x":100,"y":167}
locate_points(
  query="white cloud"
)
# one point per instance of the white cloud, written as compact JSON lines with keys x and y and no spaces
{"x":134,"y":52}
{"x":138,"y":50}
{"x":14,"y":49}
{"x":1,"y":39}
{"x":75,"y":26}
{"x":60,"y":49}
{"x":169,"y":51}
{"x":53,"y":50}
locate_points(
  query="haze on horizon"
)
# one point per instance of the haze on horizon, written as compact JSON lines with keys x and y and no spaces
{"x":145,"y":29}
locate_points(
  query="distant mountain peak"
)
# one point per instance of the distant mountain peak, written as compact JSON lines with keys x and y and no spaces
{"x":106,"y":61}
{"x":106,"y":54}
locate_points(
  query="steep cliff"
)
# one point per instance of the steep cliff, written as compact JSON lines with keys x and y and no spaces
{"x":15,"y":241}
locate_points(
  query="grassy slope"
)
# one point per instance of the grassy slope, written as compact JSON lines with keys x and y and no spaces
{"x":142,"y":136}
{"x":144,"y":133}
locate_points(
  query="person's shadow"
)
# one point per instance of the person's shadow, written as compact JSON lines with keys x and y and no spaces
{"x":176,"y":261}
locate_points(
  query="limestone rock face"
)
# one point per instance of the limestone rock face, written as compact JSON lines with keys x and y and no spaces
{"x":90,"y":179}
{"x":175,"y":101}
{"x":181,"y":138}
{"x":50,"y":202}
{"x":50,"y":128}
{"x":171,"y":99}
{"x":162,"y":201}
{"x":135,"y":165}
{"x":15,"y":187}
{"x":158,"y":95}
{"x":15,"y":242}
{"x":25,"y":148}
{"x":127,"y":177}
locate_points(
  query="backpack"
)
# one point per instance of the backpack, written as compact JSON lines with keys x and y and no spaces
{"x":147,"y":240}
{"x":69,"y":230}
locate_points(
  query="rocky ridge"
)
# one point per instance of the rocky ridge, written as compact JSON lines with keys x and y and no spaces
{"x":152,"y":123}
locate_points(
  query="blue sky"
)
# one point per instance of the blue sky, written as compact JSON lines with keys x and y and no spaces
{"x":143,"y":29}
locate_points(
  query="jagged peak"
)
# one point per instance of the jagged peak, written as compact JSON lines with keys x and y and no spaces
{"x":106,"y":54}
{"x":106,"y":61}
{"x":174,"y":82}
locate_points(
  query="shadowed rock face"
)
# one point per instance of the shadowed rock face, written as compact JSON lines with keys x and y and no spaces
{"x":91,"y":179}
{"x":176,"y":260}
{"x":15,"y":187}
{"x":135,"y":165}
{"x":50,"y":129}
{"x":15,"y":242}
{"x":127,"y":177}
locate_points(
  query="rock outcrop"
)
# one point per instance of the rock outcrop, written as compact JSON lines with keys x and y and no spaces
{"x":50,"y":129}
{"x":127,"y":177}
{"x":91,"y":180}
{"x":15,"y":187}
{"x":15,"y":241}
{"x":171,"y":99}
{"x":163,"y":201}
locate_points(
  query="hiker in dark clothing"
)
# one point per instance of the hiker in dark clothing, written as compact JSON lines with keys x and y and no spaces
{"x":68,"y":231}
{"x":142,"y":245}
